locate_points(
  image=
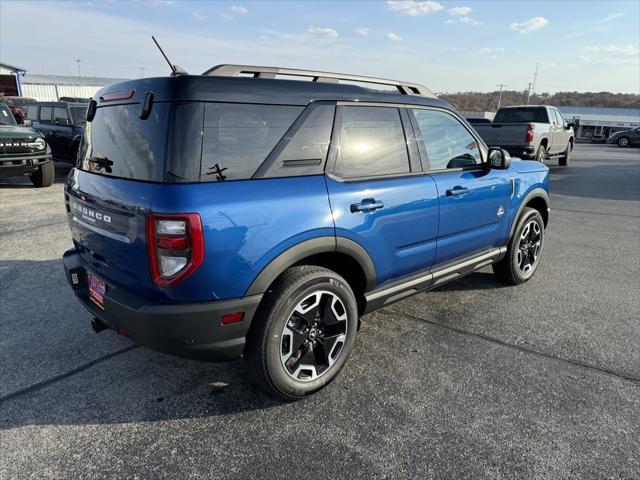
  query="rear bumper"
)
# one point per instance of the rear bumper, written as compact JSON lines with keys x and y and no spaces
{"x":191,"y":330}
{"x":22,"y":165}
{"x":525,"y":151}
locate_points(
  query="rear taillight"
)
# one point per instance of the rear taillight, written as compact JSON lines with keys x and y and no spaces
{"x":529,"y":136}
{"x":176,"y":246}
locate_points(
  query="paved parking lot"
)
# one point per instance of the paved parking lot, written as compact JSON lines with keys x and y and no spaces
{"x":473,"y":380}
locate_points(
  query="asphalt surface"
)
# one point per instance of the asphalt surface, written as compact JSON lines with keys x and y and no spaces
{"x":474,"y":380}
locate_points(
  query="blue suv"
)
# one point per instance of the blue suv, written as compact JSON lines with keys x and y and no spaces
{"x":245,"y":213}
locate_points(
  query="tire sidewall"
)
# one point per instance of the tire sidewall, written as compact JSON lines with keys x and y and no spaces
{"x":540,"y":154}
{"x":515,"y":241}
{"x":280,"y":315}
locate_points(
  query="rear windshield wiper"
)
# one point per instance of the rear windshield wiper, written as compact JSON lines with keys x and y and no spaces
{"x":102,"y":163}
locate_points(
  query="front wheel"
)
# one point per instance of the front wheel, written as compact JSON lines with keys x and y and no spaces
{"x":44,"y":176}
{"x":566,"y":156}
{"x":524,"y":250}
{"x":623,"y":142}
{"x":303,"y":332}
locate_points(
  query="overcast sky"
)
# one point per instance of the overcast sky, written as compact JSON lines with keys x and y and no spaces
{"x":448,"y":46}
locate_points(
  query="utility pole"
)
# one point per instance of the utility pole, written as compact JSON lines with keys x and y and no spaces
{"x":500,"y":94}
{"x":141,"y":72}
{"x":78,"y":62}
{"x":529,"y":91}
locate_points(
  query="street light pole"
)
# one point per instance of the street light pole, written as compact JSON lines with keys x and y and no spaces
{"x":500,"y":94}
{"x":78,"y":62}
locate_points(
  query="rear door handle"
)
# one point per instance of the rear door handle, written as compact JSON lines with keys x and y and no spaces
{"x":366,"y":205}
{"x":457,"y":192}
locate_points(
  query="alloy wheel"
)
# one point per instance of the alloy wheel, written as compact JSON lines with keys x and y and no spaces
{"x":313,"y":336}
{"x":529,"y":247}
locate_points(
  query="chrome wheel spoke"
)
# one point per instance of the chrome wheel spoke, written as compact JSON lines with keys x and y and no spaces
{"x":529,"y":246}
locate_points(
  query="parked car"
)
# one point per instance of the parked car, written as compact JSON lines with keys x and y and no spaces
{"x":62,"y":125}
{"x":221,"y":215}
{"x":23,"y":151}
{"x":531,"y":132}
{"x":626,"y":138}
{"x":18,"y":106}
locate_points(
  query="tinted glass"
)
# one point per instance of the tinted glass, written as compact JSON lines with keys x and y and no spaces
{"x":185,"y":147}
{"x":238,"y":138}
{"x":59,"y":112}
{"x":522,"y":115}
{"x":46,"y":114}
{"x":118,"y":143}
{"x":32,"y":112}
{"x":6,"y":117}
{"x":306,"y":149}
{"x":78,"y":113}
{"x":447,"y":142}
{"x":372,"y":143}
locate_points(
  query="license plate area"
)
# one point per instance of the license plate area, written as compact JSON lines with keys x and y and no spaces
{"x":97,"y":289}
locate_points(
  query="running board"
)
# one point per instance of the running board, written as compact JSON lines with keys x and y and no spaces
{"x":425,"y":281}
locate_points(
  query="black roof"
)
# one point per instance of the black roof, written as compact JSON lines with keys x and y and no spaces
{"x":257,"y":90}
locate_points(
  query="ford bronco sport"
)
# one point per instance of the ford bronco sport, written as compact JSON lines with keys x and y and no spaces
{"x":242,"y":213}
{"x":23,"y":151}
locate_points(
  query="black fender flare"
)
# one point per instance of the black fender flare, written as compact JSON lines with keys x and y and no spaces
{"x":535,"y":193}
{"x":307,"y":248}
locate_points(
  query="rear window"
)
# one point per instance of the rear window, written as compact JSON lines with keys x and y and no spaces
{"x":118,"y":143}
{"x":238,"y":138}
{"x":522,"y":115}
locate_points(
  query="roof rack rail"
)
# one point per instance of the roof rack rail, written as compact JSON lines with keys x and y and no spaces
{"x":404,"y":88}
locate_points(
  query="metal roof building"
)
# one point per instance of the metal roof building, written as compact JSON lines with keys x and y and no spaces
{"x":52,"y":87}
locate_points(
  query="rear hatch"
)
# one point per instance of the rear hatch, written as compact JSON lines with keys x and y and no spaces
{"x":109,"y":193}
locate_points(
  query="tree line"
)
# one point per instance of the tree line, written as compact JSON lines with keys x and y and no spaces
{"x":488,"y":101}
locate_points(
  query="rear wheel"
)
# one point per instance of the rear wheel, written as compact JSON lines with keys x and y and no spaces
{"x":623,"y":142}
{"x":44,"y":176}
{"x":565,"y":157}
{"x":303,"y":332}
{"x":541,"y":154}
{"x":524,"y":250}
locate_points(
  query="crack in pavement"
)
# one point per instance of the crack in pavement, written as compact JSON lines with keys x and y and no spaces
{"x":497,"y":341}
{"x":45,"y":383}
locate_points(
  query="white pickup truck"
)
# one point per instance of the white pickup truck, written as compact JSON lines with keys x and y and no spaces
{"x":532,"y":132}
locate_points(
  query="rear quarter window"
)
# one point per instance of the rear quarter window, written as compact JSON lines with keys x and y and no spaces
{"x":237,"y":138}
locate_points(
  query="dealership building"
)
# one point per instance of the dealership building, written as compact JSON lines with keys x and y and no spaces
{"x":15,"y":81}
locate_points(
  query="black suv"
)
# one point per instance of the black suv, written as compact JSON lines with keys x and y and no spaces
{"x":62,"y":125}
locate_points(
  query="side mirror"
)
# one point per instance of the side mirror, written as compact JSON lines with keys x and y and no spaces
{"x":27,"y":122}
{"x":63,"y":122}
{"x":499,"y":158}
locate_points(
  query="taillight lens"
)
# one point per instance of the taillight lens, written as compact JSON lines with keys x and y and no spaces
{"x":529,"y":136}
{"x":176,"y":246}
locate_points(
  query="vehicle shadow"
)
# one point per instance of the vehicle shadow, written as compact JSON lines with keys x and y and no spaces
{"x":62,"y":169}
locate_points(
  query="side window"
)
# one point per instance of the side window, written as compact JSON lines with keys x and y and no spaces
{"x":60,"y":112}
{"x":46,"y":114}
{"x":560,"y":118}
{"x":372,"y":143}
{"x":447,"y":142}
{"x":239,"y":137}
{"x":305,"y":152}
{"x":32,"y":112}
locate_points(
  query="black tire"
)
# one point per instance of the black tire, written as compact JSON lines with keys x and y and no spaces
{"x":623,"y":142}
{"x":509,"y":270}
{"x":566,"y":156}
{"x":267,"y":339}
{"x":44,"y":176}
{"x":541,"y":154}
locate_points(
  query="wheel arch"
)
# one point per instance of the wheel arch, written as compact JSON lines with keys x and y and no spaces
{"x":344,"y":256}
{"x":537,"y":199}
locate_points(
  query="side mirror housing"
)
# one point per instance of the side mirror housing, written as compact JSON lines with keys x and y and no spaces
{"x":63,"y":122}
{"x":499,"y":158}
{"x":27,"y":122}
